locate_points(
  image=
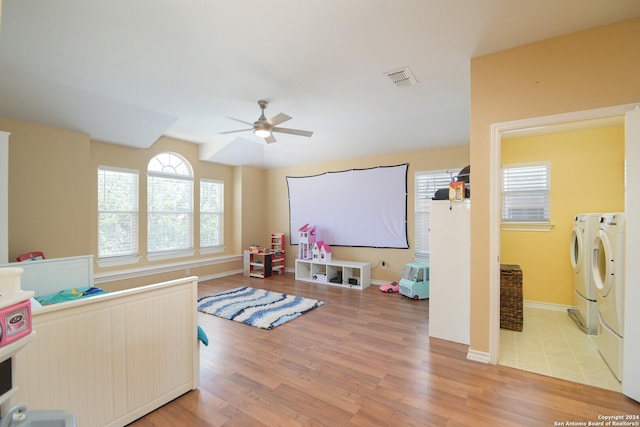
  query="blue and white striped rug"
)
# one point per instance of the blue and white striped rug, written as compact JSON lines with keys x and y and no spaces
{"x":256,"y":307}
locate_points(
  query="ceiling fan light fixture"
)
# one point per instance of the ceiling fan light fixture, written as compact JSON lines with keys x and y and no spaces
{"x":262,"y":133}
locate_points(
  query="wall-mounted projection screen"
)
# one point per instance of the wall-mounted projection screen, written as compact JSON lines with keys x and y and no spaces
{"x":358,"y":207}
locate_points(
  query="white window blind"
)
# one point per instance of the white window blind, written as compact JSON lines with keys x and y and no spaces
{"x":169,"y":204}
{"x":526,"y":192}
{"x":426,"y":185}
{"x":117,"y":212}
{"x":211,"y":213}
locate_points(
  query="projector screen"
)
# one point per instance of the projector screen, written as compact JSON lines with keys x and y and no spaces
{"x":358,"y":207}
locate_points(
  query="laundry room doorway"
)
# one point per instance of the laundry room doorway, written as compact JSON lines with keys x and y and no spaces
{"x":551,"y":175}
{"x":501,"y":131}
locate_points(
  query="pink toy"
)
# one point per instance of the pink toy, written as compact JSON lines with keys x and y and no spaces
{"x":15,"y":322}
{"x":306,"y":239}
{"x":390,"y":287}
{"x":321,"y":252}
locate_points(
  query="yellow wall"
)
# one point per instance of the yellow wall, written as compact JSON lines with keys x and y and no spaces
{"x":49,"y":190}
{"x":590,"y":69}
{"x":53,"y":199}
{"x":434,"y":159}
{"x":53,"y":195}
{"x":587,"y":175}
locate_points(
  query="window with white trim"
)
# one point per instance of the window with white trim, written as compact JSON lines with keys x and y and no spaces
{"x":117,"y":212}
{"x":211,"y":213}
{"x":427,"y":183}
{"x":526,"y":192}
{"x":169,"y":204}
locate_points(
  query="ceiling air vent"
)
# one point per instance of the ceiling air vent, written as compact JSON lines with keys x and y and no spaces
{"x":402,"y":77}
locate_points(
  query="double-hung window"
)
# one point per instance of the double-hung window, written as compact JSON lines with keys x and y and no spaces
{"x":169,"y":204}
{"x":211,"y":214}
{"x":526,"y":193}
{"x":117,"y":212}
{"x":426,"y":185}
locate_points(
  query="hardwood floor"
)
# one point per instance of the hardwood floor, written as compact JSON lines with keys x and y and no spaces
{"x":364,"y":359}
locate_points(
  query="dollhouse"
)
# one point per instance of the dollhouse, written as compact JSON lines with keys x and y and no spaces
{"x":321,"y":252}
{"x":306,"y":239}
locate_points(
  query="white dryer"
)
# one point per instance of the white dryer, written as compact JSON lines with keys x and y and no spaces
{"x":585,"y":310}
{"x":608,"y":274}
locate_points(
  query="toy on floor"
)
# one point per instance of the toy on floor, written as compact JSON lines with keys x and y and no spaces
{"x":390,"y":287}
{"x":415,"y":280}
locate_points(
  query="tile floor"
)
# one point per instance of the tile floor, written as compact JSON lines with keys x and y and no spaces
{"x":551,"y":344}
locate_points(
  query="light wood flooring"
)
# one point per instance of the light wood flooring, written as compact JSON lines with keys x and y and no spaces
{"x":364,"y":359}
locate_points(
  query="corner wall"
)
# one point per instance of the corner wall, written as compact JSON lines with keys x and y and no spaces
{"x":49,"y":190}
{"x":586,"y":70}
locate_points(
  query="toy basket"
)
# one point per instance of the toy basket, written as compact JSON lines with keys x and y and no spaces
{"x":511,"y":297}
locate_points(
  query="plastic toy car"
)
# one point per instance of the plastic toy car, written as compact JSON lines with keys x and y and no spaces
{"x":390,"y":287}
{"x":415,"y":281}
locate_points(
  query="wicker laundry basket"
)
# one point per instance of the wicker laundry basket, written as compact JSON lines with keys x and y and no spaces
{"x":511,"y":297}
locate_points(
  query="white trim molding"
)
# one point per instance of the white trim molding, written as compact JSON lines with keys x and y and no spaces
{"x":478,"y":356}
{"x":113,"y":276}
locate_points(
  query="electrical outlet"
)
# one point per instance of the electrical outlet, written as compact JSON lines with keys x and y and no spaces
{"x":187,"y":272}
{"x":383,"y":264}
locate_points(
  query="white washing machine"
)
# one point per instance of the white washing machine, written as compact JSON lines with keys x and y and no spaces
{"x":585,"y":310}
{"x":608,"y":275}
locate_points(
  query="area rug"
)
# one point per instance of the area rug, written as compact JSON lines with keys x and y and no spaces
{"x":256,"y":307}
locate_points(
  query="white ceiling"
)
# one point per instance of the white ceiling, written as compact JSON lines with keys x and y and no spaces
{"x":129,"y":71}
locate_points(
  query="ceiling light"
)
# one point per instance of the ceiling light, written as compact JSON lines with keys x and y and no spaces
{"x":262,"y":133}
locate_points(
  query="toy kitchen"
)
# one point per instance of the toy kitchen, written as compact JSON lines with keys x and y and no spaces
{"x":16,"y":332}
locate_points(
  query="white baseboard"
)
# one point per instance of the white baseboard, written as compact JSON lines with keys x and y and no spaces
{"x":478,"y":356}
{"x":546,"y":305}
{"x":219,"y":275}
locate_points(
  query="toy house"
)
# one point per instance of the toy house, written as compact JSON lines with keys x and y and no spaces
{"x":326,"y":254}
{"x":321,"y":252}
{"x":306,"y":239}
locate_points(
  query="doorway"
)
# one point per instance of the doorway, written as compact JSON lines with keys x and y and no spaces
{"x":497,"y":132}
{"x":582,"y":160}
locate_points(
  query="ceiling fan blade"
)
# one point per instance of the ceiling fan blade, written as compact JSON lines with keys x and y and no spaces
{"x":270,"y":139}
{"x":241,"y":121}
{"x":292,"y":131}
{"x":278,"y":118}
{"x":234,"y":131}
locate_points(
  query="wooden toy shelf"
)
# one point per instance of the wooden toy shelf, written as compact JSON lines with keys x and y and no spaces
{"x":277,"y":248}
{"x":258,"y":264}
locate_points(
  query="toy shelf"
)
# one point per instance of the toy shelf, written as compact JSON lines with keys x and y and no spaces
{"x":258,"y":264}
{"x":345,"y":274}
{"x":277,"y":248}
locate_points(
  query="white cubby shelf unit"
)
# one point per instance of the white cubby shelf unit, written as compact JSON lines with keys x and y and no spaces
{"x":345,"y":274}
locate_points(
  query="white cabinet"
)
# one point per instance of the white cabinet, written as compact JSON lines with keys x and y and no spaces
{"x":449,"y":299}
{"x":4,"y":197}
{"x":346,"y":274}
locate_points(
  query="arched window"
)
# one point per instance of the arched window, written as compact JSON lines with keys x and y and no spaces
{"x":169,"y":204}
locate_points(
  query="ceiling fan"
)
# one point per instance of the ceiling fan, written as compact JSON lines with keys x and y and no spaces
{"x":265,"y":128}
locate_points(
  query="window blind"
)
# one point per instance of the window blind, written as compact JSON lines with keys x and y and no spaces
{"x":211,"y":213}
{"x":117,"y":212}
{"x":169,"y":204}
{"x":427,"y":183}
{"x":526,"y":192}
